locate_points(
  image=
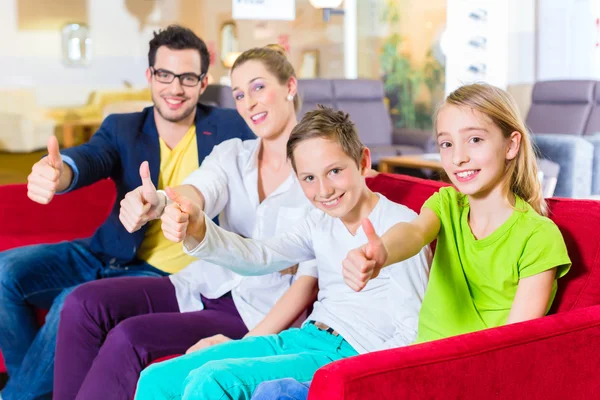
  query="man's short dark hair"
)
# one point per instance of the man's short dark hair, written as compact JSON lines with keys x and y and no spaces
{"x":176,"y":37}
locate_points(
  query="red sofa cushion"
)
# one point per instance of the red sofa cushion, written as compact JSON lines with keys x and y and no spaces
{"x":527,"y":360}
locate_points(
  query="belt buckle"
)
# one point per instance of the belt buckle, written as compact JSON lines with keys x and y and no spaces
{"x":325,"y":328}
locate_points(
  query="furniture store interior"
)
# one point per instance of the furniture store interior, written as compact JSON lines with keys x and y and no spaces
{"x":184,"y":247}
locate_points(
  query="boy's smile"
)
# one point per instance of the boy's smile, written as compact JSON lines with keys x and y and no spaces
{"x":333,"y":202}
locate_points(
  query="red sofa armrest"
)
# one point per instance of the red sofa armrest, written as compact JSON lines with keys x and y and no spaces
{"x":68,"y":216}
{"x":554,"y":357}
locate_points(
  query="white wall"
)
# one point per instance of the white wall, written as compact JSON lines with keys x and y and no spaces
{"x":567,"y":39}
{"x":510,"y":57}
{"x":521,"y":42}
{"x":33,"y":58}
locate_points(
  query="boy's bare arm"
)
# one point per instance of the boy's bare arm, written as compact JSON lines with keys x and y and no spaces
{"x":289,"y":307}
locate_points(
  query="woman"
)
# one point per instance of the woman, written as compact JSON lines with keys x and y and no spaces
{"x":111,"y":329}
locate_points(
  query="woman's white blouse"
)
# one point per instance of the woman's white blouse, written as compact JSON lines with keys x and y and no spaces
{"x":228,"y":180}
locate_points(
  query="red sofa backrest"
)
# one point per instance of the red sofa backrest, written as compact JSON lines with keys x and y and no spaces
{"x":578,"y":220}
{"x":69,"y":216}
{"x":79,"y":213}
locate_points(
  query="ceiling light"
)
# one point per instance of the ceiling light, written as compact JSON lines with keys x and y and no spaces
{"x":325,"y":3}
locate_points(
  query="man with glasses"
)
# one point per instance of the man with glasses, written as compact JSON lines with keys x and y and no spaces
{"x":174,"y":137}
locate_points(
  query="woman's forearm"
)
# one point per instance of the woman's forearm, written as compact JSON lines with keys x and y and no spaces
{"x":191,"y":193}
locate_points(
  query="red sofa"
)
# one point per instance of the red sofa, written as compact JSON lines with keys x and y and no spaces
{"x":555,"y":357}
{"x":550,"y":358}
{"x":70,"y":216}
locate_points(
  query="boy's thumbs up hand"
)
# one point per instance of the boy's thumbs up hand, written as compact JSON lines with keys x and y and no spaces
{"x":182,"y":218}
{"x":363,"y":264}
{"x":374,"y":249}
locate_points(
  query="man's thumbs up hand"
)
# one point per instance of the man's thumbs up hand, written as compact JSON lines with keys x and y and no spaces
{"x":54,"y":158}
{"x":148,"y":190}
{"x":44,"y":179}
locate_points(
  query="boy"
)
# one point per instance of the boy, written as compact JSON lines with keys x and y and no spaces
{"x":331,"y":163}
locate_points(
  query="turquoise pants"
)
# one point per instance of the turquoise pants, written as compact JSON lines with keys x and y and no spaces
{"x":234,"y":369}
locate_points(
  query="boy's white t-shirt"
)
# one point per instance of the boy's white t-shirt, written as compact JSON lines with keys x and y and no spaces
{"x":228,"y":180}
{"x":383,"y":315}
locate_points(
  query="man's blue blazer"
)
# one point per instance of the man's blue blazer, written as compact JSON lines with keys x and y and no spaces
{"x":116,"y":151}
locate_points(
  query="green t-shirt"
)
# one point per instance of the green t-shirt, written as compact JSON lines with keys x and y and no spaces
{"x":473,"y":282}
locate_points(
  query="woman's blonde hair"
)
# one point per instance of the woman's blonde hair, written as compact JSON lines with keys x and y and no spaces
{"x":500,"y":107}
{"x":274,"y":58}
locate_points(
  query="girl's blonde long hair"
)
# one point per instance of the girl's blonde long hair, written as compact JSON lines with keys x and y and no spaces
{"x":500,"y":107}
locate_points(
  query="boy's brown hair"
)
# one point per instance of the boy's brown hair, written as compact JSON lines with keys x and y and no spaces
{"x":327,"y":123}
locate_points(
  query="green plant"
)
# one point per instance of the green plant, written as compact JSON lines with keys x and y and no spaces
{"x":434,"y":77}
{"x":402,"y":81}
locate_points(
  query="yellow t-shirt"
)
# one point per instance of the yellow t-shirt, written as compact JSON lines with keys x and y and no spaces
{"x":175,"y":165}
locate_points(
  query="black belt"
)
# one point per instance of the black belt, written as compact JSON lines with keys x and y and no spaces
{"x":324,"y":327}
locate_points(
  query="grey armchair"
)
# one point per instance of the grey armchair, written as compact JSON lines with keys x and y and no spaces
{"x":592,"y":135}
{"x":594,"y":140}
{"x":217,"y":96}
{"x":559,"y":117}
{"x":364,"y":101}
{"x":561,"y":106}
{"x":575,"y":156}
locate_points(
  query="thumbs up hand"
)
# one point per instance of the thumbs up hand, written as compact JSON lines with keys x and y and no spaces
{"x":44,"y":180}
{"x":142,"y":204}
{"x":148,"y":190}
{"x":363,"y":264}
{"x":183,"y":220}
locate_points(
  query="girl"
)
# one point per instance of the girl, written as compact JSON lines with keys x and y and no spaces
{"x":497,"y":257}
{"x":111,"y":329}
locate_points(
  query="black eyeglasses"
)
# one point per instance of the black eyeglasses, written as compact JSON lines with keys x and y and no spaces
{"x":188,"y":79}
